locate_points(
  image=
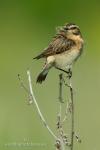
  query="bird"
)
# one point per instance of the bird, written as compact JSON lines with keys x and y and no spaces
{"x":64,"y":49}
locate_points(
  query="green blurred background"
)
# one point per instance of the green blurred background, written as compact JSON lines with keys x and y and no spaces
{"x":26,"y":28}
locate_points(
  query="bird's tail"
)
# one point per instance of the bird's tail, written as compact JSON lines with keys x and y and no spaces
{"x":42,"y":76}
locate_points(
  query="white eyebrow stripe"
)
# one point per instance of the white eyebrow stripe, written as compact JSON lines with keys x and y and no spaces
{"x":73,"y":26}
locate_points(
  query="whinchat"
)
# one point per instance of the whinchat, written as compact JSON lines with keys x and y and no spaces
{"x":63,"y":51}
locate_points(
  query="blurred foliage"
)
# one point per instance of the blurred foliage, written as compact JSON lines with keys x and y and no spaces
{"x":26,"y":28}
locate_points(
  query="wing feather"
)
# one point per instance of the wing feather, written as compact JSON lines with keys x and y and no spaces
{"x":59,"y":45}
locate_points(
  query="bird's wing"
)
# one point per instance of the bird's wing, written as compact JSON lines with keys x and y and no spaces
{"x":58,"y":45}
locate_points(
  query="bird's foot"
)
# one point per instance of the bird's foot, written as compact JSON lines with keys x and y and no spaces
{"x":69,"y":73}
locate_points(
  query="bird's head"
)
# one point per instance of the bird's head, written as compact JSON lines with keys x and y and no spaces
{"x":70,"y":29}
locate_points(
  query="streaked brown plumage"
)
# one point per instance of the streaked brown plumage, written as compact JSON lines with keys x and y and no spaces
{"x":64,"y":49}
{"x":57,"y":46}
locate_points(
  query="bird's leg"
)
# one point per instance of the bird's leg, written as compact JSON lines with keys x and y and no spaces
{"x":69,"y":72}
{"x":69,"y":75}
{"x":62,"y":70}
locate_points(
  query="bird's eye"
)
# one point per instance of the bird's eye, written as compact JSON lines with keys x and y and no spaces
{"x":76,"y":32}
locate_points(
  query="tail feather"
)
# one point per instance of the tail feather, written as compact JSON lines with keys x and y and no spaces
{"x":38,"y":57}
{"x":42,"y":76}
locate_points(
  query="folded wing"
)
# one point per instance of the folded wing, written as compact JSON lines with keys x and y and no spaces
{"x":59,"y":45}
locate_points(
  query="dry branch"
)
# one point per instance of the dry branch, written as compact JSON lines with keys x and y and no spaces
{"x":61,"y":139}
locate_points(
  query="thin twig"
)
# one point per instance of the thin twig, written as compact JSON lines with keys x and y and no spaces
{"x":66,"y":112}
{"x":70,"y":108}
{"x":72,"y":114}
{"x":60,"y":145}
{"x":37,"y":106}
{"x":22,"y":84}
{"x":60,"y":101}
{"x":25,"y":88}
{"x":60,"y":87}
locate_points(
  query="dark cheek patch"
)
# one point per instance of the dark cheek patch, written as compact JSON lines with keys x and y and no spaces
{"x":76,"y":33}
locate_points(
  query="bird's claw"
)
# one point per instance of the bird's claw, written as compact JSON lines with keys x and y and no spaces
{"x":69,"y":74}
